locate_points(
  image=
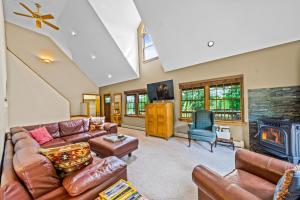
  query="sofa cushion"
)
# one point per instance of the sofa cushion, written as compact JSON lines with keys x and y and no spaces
{"x":17,"y":130}
{"x":288,"y":187}
{"x":19,"y":136}
{"x":69,"y":158}
{"x":55,"y":143}
{"x":80,"y":137}
{"x":35,"y":171}
{"x":71,"y":127}
{"x":93,"y":175}
{"x":25,"y":143}
{"x":41,"y":135}
{"x":52,"y":128}
{"x":97,"y":133}
{"x":253,"y":184}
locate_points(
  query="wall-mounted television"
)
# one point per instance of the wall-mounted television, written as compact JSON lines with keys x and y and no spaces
{"x":160,"y":91}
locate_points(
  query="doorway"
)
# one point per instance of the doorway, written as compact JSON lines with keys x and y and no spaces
{"x":107,"y":107}
{"x":90,"y":105}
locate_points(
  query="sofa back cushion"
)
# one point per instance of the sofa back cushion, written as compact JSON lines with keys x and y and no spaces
{"x":25,"y":143}
{"x":52,"y":128}
{"x":19,"y":136}
{"x":35,"y":171}
{"x":71,"y":127}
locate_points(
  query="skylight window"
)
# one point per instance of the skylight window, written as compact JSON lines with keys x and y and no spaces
{"x":149,"y":50}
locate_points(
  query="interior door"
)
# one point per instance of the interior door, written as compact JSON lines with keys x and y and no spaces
{"x":107,"y":107}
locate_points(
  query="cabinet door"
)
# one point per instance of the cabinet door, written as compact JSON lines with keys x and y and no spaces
{"x":161,"y":120}
{"x":151,"y":120}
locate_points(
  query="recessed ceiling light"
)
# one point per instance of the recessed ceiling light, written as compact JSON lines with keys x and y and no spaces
{"x":73,"y":33}
{"x":210,"y":43}
{"x":109,"y":76}
{"x":93,"y":57}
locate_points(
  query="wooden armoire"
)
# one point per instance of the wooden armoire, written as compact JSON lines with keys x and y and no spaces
{"x":159,"y":119}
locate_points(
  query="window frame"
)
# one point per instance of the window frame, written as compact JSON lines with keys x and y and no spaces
{"x":212,"y":82}
{"x":143,"y":33}
{"x":135,"y":93}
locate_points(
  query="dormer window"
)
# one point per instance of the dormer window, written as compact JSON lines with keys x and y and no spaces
{"x":149,"y":51}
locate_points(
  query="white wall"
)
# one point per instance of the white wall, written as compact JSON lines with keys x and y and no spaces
{"x":3,"y":104}
{"x":31,"y":99}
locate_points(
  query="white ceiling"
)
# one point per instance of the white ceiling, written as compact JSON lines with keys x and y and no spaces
{"x":181,"y":29}
{"x":113,"y":56}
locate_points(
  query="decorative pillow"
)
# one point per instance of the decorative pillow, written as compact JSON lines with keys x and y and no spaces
{"x":96,"y":123}
{"x":69,"y":158}
{"x":98,"y":120}
{"x":288,"y":187}
{"x":41,"y":135}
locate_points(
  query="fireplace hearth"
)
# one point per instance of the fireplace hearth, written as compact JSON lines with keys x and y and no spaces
{"x":279,"y":137}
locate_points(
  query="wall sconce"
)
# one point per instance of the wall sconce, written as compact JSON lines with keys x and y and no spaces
{"x":46,"y":59}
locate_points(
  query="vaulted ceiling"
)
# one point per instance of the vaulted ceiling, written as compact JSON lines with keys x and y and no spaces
{"x":106,"y":30}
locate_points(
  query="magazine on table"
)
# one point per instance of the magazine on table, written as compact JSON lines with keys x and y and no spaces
{"x":114,"y":138}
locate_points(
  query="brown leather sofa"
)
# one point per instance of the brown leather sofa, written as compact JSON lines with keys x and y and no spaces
{"x":255,"y":177}
{"x":71,"y":131}
{"x":26,"y":174}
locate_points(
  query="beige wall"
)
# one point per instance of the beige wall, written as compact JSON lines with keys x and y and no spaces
{"x":272,"y":67}
{"x":63,"y":74}
{"x":31,"y":99}
{"x":3,"y":104}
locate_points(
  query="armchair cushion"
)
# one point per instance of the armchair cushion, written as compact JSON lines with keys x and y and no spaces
{"x":91,"y":176}
{"x":204,"y":133}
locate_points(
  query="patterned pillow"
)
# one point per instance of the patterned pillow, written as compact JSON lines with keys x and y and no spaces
{"x":288,"y":187}
{"x":69,"y":158}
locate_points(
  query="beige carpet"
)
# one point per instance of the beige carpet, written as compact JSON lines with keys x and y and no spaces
{"x":162,"y":170}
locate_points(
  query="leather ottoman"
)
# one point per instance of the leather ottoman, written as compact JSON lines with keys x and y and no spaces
{"x":105,"y":148}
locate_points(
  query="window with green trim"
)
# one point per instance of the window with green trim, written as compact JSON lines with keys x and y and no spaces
{"x":191,"y":100}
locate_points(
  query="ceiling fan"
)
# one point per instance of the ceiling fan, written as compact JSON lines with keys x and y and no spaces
{"x":40,"y":18}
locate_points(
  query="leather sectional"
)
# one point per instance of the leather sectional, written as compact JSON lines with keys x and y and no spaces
{"x":26,"y":174}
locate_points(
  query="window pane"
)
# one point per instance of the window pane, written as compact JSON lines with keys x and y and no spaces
{"x":191,"y":100}
{"x":147,"y":40}
{"x":130,"y":105}
{"x":143,"y":100}
{"x":227,"y":102}
{"x":150,"y":52}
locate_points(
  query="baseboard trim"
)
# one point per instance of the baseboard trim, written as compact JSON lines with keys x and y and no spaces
{"x":181,"y":135}
{"x":133,"y":127}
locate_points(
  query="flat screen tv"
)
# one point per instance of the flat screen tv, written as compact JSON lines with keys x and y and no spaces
{"x":160,"y":91}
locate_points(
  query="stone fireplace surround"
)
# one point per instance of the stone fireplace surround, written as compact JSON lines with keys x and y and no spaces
{"x":269,"y":103}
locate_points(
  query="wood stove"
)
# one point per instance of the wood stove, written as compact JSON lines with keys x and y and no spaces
{"x":280,"y":137}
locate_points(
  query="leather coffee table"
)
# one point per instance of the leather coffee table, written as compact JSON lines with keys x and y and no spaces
{"x":105,"y":148}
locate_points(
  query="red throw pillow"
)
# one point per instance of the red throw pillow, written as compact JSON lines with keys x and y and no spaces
{"x":41,"y":135}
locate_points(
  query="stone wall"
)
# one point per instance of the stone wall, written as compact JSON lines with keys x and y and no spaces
{"x":272,"y":102}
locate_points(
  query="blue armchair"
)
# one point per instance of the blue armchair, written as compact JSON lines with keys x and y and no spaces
{"x":202,"y":128}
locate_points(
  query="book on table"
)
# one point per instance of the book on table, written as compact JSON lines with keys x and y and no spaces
{"x":121,"y":190}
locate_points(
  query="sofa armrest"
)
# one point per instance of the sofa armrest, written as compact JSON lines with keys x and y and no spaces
{"x":93,"y":175}
{"x":263,"y":166}
{"x":217,"y":187}
{"x":191,"y":126}
{"x":110,"y":127}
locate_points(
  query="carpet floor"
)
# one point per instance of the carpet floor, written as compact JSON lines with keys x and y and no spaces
{"x":162,"y":170}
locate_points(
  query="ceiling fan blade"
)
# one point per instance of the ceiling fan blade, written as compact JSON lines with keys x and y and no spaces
{"x":28,"y":9}
{"x":47,"y":16}
{"x":24,"y":15}
{"x":38,"y":24}
{"x":51,"y":25}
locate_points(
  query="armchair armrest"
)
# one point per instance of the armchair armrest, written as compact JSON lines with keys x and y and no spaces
{"x":191,"y":126}
{"x":217,"y":187}
{"x":263,"y":166}
{"x":214,"y":128}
